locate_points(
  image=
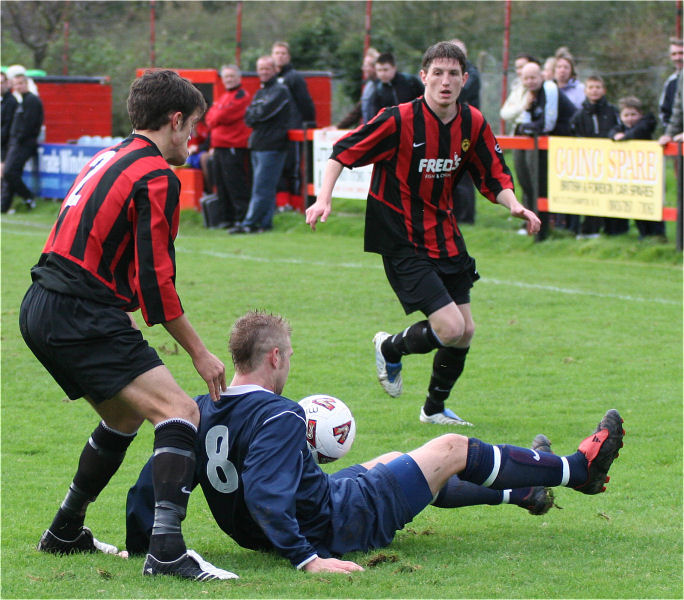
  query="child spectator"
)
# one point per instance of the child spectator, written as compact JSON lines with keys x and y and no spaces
{"x":637,"y":125}
{"x":595,"y":119}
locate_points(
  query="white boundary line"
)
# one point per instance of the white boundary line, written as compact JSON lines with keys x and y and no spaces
{"x":353,"y":265}
{"x":358,"y":265}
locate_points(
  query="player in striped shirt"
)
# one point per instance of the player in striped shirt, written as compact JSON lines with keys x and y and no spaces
{"x":111,"y":252}
{"x":420,"y":150}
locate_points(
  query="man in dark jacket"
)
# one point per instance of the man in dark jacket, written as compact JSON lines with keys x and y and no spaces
{"x":667,"y":96}
{"x":269,"y":117}
{"x":392,"y":87}
{"x":594,"y":120}
{"x":9,"y":105}
{"x":302,"y":113}
{"x":303,"y":110}
{"x":23,"y":144}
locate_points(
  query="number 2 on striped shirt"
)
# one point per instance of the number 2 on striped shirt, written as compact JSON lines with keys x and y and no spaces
{"x":96,"y":165}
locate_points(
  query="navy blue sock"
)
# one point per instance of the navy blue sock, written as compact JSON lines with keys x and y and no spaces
{"x":457,"y":493}
{"x":505,"y":466}
{"x":520,"y":497}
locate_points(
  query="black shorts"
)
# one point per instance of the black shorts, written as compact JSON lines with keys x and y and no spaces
{"x":90,"y":349}
{"x":428,"y":284}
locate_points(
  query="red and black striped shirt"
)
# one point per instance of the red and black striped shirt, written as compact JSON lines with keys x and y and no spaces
{"x":418,"y":160}
{"x":113,"y":240}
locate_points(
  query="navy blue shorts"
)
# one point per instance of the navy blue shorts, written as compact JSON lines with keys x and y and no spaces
{"x":428,"y":284}
{"x":370,"y":506}
{"x":90,"y":349}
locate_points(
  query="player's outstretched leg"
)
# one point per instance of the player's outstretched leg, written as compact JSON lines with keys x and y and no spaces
{"x":389,"y":374}
{"x":601,"y":448}
{"x":188,"y":566}
{"x":505,"y":466}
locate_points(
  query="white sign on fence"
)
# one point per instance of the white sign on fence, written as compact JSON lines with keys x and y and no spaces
{"x":353,"y":183}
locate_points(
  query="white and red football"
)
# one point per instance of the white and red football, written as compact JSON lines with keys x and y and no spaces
{"x":330,"y":427}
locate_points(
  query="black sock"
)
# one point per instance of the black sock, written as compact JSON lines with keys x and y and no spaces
{"x":457,"y":493}
{"x":173,"y":471}
{"x":100,"y":459}
{"x":416,"y":339}
{"x":447,"y":367}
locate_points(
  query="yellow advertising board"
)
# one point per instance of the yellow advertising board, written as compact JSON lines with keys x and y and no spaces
{"x":604,"y":178}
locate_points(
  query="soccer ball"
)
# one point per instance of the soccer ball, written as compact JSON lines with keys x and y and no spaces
{"x":330,"y":427}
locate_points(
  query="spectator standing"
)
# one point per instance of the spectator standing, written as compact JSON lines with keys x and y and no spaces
{"x":512,"y":111}
{"x":547,"y":112}
{"x":229,"y":139}
{"x":565,"y":75}
{"x":371,"y":78}
{"x":361,"y":113}
{"x":674,"y":132}
{"x":9,"y":105}
{"x":269,"y":117}
{"x":392,"y":87}
{"x":470,"y":94}
{"x":548,"y":68}
{"x":419,"y":151}
{"x":302,"y":114}
{"x":303,"y":111}
{"x":667,"y":96}
{"x":22,"y":143}
{"x":110,"y":252}
{"x":636,"y":125}
{"x":595,"y":119}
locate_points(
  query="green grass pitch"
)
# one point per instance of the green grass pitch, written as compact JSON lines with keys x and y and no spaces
{"x":565,"y":330}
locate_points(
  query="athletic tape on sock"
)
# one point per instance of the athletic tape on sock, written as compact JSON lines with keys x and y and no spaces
{"x":566,"y":471}
{"x":495,"y":470}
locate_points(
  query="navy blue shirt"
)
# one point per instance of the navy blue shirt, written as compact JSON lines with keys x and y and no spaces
{"x":256,"y":471}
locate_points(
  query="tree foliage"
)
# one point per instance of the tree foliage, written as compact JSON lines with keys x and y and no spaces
{"x":626,"y":42}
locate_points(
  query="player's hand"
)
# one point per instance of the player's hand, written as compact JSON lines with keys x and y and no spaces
{"x":331,"y":565}
{"x":318,"y":210}
{"x":213,"y":371}
{"x":533,"y":222}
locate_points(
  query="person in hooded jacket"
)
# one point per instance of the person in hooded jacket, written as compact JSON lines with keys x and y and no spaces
{"x":635,"y":124}
{"x":595,"y":119}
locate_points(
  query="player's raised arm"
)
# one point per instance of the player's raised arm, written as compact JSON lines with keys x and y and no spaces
{"x":321,"y":208}
{"x":507,"y":198}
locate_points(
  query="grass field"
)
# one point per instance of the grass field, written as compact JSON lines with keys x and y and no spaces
{"x":566,"y":330}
